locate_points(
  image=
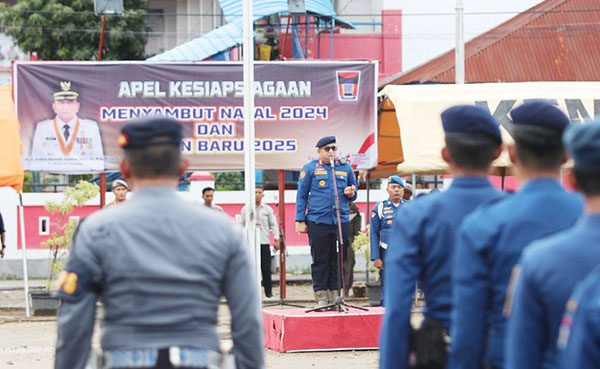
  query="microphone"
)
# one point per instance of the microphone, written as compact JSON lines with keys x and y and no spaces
{"x":331,"y":159}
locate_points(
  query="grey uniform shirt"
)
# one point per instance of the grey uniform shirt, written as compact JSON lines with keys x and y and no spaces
{"x":160,"y":266}
{"x":266,"y":221}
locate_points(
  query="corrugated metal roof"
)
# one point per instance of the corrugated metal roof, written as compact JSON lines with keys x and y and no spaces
{"x":209,"y":44}
{"x":232,"y":9}
{"x":556,"y":40}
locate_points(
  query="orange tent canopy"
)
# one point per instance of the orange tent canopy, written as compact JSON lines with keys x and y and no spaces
{"x":389,"y":143}
{"x":11,"y":168}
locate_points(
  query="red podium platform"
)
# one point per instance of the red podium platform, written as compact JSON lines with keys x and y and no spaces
{"x":288,"y":330}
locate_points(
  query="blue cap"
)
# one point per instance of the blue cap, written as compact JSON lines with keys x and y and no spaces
{"x":583,"y":144}
{"x":150,"y":132}
{"x":325,"y":141}
{"x":397,"y":180}
{"x":470,"y":120}
{"x":540,"y":114}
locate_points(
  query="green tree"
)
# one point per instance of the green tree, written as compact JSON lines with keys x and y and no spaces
{"x":229,"y":181}
{"x":61,"y":240}
{"x":69,"y":29}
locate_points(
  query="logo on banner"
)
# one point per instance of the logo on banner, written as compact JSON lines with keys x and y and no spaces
{"x":348,"y":85}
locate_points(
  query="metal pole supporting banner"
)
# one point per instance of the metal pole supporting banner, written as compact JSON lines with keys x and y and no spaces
{"x":282,"y":250}
{"x":249,"y":156}
{"x":331,"y":38}
{"x":368,"y":217}
{"x":460,"y":43}
{"x":24,"y":254}
{"x":102,"y":178}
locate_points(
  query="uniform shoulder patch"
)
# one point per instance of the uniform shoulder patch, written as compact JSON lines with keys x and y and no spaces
{"x":303,"y":174}
{"x":72,"y":283}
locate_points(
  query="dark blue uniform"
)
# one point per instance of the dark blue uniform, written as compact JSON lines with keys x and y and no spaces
{"x":315,"y":204}
{"x":579,"y":340}
{"x":421,"y":247}
{"x":549,"y":270}
{"x":382,"y":219}
{"x":490,"y":243}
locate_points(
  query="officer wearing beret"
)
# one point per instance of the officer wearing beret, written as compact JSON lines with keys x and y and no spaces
{"x":120,"y":188}
{"x":160,"y":266}
{"x":66,"y":143}
{"x":491,"y":239}
{"x":579,"y":336}
{"x":421,"y":245}
{"x":550,"y":268}
{"x":408,"y":192}
{"x":316,"y":214}
{"x":382,"y":218}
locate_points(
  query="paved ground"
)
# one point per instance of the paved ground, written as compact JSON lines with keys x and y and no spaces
{"x":29,"y":343}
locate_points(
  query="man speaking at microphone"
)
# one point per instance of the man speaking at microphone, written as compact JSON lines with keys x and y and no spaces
{"x":316,"y":214}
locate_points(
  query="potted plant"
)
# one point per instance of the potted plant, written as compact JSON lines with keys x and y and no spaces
{"x":362,"y":244}
{"x":43,"y":302}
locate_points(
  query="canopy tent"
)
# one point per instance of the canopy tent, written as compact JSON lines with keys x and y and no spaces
{"x":418,"y":108}
{"x":11,"y":168}
{"x":389,"y":143}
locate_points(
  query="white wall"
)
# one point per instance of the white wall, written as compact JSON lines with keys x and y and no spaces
{"x":427,"y":35}
{"x":360,"y":11}
{"x":182,"y":20}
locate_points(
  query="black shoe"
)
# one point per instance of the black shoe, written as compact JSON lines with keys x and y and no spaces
{"x":269,"y":295}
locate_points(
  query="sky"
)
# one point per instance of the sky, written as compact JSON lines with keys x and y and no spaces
{"x":428,"y":26}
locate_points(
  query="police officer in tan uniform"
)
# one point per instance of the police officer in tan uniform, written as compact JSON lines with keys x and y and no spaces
{"x":120,"y":188}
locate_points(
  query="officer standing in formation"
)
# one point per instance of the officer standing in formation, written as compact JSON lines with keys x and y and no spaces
{"x":550,"y":269}
{"x":66,"y":142}
{"x":421,"y":245}
{"x":316,"y":214}
{"x":579,"y":336}
{"x":382,"y":218}
{"x":491,"y":239}
{"x":120,"y":188}
{"x":579,"y":340}
{"x":160,"y":283}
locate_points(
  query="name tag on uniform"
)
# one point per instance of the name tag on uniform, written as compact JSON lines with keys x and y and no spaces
{"x":341,"y":173}
{"x":320,"y":172}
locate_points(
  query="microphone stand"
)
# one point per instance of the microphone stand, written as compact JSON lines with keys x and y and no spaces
{"x":339,"y":304}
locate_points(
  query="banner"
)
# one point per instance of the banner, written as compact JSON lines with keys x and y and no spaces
{"x":418,"y":109}
{"x":71,"y":113}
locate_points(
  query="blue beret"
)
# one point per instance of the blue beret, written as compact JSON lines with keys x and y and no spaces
{"x":397,"y":179}
{"x":583,"y":144}
{"x":150,"y":132}
{"x":540,"y":114}
{"x":471,"y":120}
{"x":325,"y":141}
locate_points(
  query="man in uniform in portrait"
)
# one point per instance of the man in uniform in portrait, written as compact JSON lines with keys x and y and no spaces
{"x":66,"y":142}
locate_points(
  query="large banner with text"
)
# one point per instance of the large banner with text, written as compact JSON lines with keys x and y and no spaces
{"x":71,"y":113}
